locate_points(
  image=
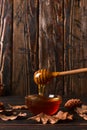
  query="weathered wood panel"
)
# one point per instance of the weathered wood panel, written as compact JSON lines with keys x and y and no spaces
{"x":5,"y":44}
{"x":68,"y":4}
{"x":79,"y":29}
{"x":48,"y":34}
{"x":51,"y":41}
{"x":25,"y":46}
{"x":75,"y":45}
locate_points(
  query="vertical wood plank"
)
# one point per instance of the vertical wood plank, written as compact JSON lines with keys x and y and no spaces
{"x":6,"y":44}
{"x":75,"y":45}
{"x":68,"y":4}
{"x":25,"y":45}
{"x":80,"y":46}
{"x":51,"y":41}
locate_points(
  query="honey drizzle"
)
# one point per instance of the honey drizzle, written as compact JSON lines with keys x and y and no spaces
{"x":41,"y":89}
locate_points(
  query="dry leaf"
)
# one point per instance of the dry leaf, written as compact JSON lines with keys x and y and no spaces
{"x":6,"y":118}
{"x":12,"y":117}
{"x":44,"y":118}
{"x":52,"y":119}
{"x":18,"y":107}
{"x":82,"y":111}
{"x":63,"y":115}
{"x":36,"y":118}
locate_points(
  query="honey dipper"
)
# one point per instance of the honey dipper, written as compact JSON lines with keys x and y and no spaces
{"x":41,"y":77}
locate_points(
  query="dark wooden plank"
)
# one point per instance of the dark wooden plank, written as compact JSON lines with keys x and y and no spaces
{"x":6,"y":44}
{"x":75,"y":55}
{"x":67,"y":43}
{"x":42,"y":127}
{"x":51,"y":41}
{"x":79,"y":53}
{"x":25,"y":46}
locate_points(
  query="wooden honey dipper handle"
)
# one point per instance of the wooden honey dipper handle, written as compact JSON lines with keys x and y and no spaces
{"x":44,"y":76}
{"x":69,"y":72}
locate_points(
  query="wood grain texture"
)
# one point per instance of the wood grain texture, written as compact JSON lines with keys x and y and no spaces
{"x":75,"y":46}
{"x":51,"y":41}
{"x":5,"y":44}
{"x":25,"y":52}
{"x":79,"y":54}
{"x":38,"y":34}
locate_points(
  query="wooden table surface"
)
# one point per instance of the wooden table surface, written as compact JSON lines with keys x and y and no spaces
{"x":24,"y":124}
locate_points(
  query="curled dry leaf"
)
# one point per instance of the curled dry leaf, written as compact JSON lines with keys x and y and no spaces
{"x":36,"y":118}
{"x":85,"y":117}
{"x":82,"y":111}
{"x":63,"y":115}
{"x":18,"y":107}
{"x":12,"y":117}
{"x":52,"y":119}
{"x":6,"y":118}
{"x":44,"y":118}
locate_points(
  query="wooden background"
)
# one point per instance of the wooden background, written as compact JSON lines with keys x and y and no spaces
{"x":36,"y":34}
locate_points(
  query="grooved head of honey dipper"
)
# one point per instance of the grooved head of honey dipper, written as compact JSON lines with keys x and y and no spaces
{"x":42,"y":76}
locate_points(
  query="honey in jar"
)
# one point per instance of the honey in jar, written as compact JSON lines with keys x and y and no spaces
{"x":39,"y":103}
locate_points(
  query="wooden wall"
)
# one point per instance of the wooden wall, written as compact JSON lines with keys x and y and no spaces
{"x":48,"y":34}
{"x":6,"y":45}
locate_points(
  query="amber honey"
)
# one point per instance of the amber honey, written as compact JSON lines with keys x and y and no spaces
{"x":48,"y":105}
